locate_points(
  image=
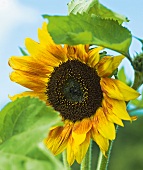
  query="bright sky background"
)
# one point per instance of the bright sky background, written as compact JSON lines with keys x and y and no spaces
{"x":21,"y":18}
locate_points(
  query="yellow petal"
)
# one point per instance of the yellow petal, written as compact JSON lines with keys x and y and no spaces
{"x":71,"y":52}
{"x":113,"y":118}
{"x":44,"y":36}
{"x":94,"y":56}
{"x":82,"y":126}
{"x":58,"y":139}
{"x":32,"y":82}
{"x":133,"y":118}
{"x":86,"y":46}
{"x":78,"y":138}
{"x":81,"y":52}
{"x":41,"y":96}
{"x":108,"y":64}
{"x":32,"y":46}
{"x":77,"y":52}
{"x":42,"y":54}
{"x":29,"y":64}
{"x":102,"y":142}
{"x":53,"y":136}
{"x":117,"y":90}
{"x":110,"y":115}
{"x":58,"y":52}
{"x":117,"y":107}
{"x":70,"y":151}
{"x":104,"y":126}
{"x":82,"y":149}
{"x":80,"y":129}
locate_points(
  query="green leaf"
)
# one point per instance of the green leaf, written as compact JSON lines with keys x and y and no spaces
{"x":9,"y":161}
{"x":24,"y":124}
{"x":84,"y":29}
{"x":122,"y":76}
{"x":24,"y":53}
{"x":94,"y":7}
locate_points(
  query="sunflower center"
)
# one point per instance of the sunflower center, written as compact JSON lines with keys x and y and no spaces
{"x":74,"y":90}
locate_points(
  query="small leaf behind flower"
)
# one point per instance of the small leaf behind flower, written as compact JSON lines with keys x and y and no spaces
{"x":122,"y":76}
{"x":24,"y":53}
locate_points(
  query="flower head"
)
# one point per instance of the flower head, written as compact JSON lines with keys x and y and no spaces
{"x":77,"y":84}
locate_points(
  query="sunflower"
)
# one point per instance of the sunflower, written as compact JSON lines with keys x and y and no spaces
{"x":77,"y":84}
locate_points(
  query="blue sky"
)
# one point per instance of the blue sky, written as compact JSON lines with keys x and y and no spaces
{"x":20,"y":19}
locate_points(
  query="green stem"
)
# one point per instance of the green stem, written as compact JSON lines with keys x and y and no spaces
{"x":66,"y":165}
{"x":129,"y":58}
{"x":86,"y":163}
{"x":104,"y":161}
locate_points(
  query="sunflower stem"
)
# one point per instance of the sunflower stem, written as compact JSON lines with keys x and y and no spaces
{"x":66,"y":165}
{"x":138,"y":80}
{"x":86,"y":163}
{"x":103,"y":161}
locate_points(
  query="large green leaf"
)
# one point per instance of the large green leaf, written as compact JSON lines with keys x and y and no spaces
{"x":94,"y":7}
{"x":10,"y":161}
{"x":24,"y":124}
{"x":84,"y":29}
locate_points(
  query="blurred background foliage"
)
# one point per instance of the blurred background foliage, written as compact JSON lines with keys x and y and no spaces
{"x":127,"y":153}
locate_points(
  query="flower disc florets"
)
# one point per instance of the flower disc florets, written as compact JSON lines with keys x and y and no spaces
{"x":74,"y":90}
